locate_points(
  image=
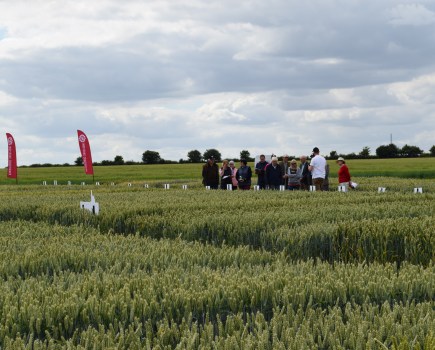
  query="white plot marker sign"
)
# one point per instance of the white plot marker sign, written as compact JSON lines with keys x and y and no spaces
{"x":92,"y":206}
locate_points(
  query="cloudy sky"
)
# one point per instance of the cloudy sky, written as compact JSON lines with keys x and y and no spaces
{"x":275,"y":76}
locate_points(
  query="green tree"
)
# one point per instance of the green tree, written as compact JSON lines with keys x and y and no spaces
{"x":212,"y":153}
{"x":365,"y":153}
{"x":194,"y":156}
{"x":432,"y":151}
{"x":245,"y":154}
{"x":333,"y":155}
{"x":119,"y":160}
{"x":78,"y":161}
{"x":410,"y":151}
{"x":151,"y":157}
{"x":387,"y":151}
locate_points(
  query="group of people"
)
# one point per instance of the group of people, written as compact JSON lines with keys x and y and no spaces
{"x":273,"y":175}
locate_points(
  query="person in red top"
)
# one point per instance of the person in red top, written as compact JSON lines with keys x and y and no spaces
{"x":343,"y":173}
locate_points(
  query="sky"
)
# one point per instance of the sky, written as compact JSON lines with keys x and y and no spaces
{"x":276,"y":76}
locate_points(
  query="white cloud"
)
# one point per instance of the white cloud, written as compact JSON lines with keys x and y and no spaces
{"x":420,"y":90}
{"x":277,"y":76}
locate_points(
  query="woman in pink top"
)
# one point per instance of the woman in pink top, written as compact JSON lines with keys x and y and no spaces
{"x":233,"y":176}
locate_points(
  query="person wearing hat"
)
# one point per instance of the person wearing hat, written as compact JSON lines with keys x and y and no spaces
{"x":274,"y":174}
{"x":284,"y":165}
{"x":343,"y":173}
{"x":318,"y":169}
{"x":294,"y":176}
{"x":210,"y":174}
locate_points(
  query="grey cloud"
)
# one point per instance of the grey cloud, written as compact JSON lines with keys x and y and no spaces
{"x":340,"y":74}
{"x":157,"y":64}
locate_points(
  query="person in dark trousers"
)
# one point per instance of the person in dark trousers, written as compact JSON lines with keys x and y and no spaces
{"x":210,"y":174}
{"x":305,"y":174}
{"x":244,"y":175}
{"x":273,"y":174}
{"x":226,"y":175}
{"x":260,"y":170}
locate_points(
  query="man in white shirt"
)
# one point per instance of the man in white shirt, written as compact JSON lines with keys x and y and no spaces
{"x":317,"y":168}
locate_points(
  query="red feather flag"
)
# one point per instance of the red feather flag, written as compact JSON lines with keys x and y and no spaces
{"x":85,"y":149}
{"x":12,"y":157}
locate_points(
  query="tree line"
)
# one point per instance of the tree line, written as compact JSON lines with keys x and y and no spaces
{"x":383,"y":151}
{"x":195,"y":156}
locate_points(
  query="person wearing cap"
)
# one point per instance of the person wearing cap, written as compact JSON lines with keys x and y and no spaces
{"x":225,"y":174}
{"x":274,"y":174}
{"x":233,"y":174}
{"x":317,"y":168}
{"x":343,"y":173}
{"x":244,"y":175}
{"x":294,"y":176}
{"x":210,"y":174}
{"x":284,"y":165}
{"x":305,"y":174}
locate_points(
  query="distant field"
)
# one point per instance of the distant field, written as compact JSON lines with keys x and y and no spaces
{"x":191,"y":173}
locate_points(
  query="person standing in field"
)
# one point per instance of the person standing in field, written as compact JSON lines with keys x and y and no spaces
{"x":233,"y":174}
{"x":343,"y":173}
{"x":284,"y":165}
{"x":325,"y":186}
{"x":210,"y":174}
{"x":274,"y":174}
{"x":244,"y":175}
{"x":225,"y":174}
{"x":317,"y":168}
{"x":305,"y":174}
{"x":294,"y":176}
{"x":260,"y":170}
